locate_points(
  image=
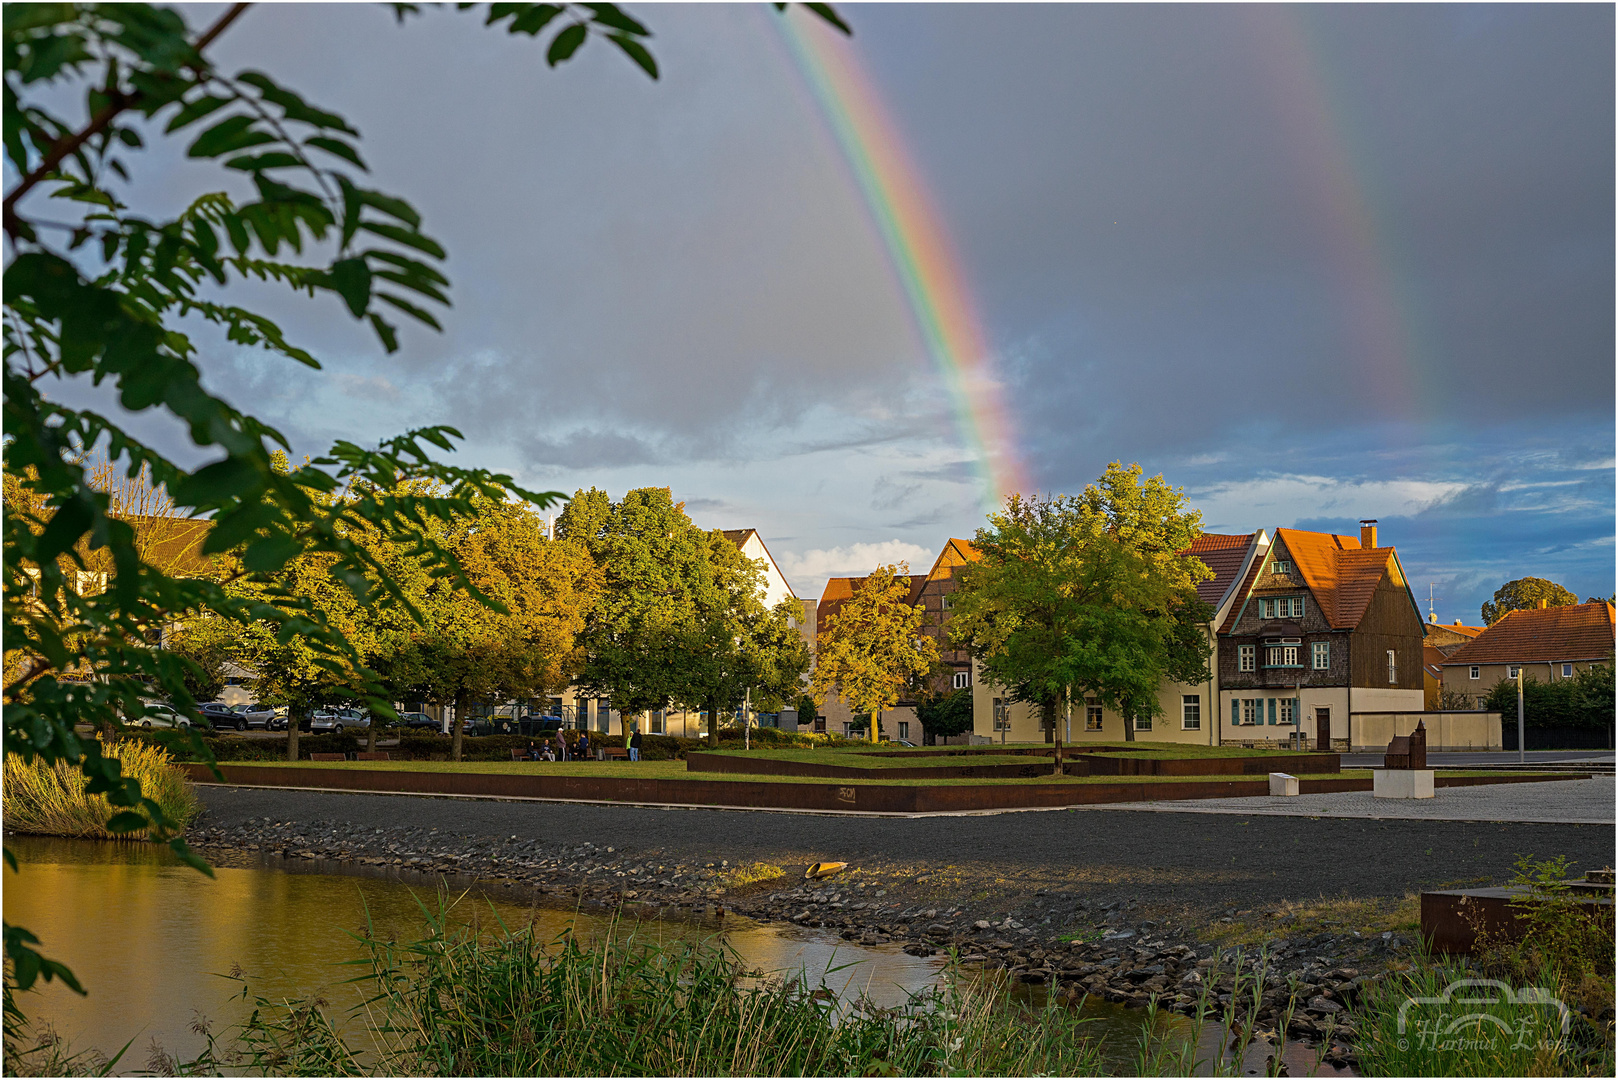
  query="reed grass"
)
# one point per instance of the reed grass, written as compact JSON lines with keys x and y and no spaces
{"x":51,"y":800}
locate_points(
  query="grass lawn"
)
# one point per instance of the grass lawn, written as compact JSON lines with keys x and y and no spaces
{"x":874,"y":757}
{"x":675,"y":770}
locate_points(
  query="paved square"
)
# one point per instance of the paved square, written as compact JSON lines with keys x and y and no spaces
{"x":1572,"y":802}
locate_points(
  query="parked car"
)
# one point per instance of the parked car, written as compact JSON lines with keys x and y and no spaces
{"x":536,"y":724}
{"x":328,"y":720}
{"x":160,"y":714}
{"x":354,"y":717}
{"x":256,"y":715}
{"x":416,"y":721}
{"x":218,"y":715}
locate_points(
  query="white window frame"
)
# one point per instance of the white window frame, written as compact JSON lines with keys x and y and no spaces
{"x":962,"y":680}
{"x":1283,"y":714}
{"x":1320,"y":656}
{"x":1247,"y":658}
{"x":1474,"y":672}
{"x":1143,"y":722}
{"x":1283,"y":566}
{"x":1393,"y":668}
{"x":1296,"y":604}
{"x":904,"y":729}
{"x":1002,"y":715}
{"x":1512,"y":670}
{"x":1190,"y":712}
{"x":1567,"y":671}
{"x":1266,"y":609}
{"x":1250,"y":711}
{"x":1094,"y":718}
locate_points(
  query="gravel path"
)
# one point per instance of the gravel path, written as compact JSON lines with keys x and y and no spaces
{"x":1572,"y":802}
{"x":1197,"y":859}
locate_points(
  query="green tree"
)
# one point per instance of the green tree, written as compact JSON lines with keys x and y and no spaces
{"x":1583,"y":701}
{"x":946,"y":714}
{"x":873,"y":649}
{"x":1089,"y":594}
{"x":1525,"y":593}
{"x":311,"y":225}
{"x":654,"y":572}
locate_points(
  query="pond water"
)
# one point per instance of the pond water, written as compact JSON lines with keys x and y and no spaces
{"x":152,"y":941}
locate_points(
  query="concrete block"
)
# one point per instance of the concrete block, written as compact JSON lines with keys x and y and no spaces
{"x":1402,"y":783}
{"x":1283,"y":784}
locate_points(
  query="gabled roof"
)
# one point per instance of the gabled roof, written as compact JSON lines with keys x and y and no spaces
{"x":1223,"y":553}
{"x":839,"y":590}
{"x":1432,"y":660}
{"x":1543,"y":635}
{"x":1342,"y":575}
{"x":740,"y":538}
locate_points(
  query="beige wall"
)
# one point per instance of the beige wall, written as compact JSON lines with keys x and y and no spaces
{"x":1334,"y":698}
{"x":1025,"y":723}
{"x":1458,"y":677}
{"x":1372,"y":731}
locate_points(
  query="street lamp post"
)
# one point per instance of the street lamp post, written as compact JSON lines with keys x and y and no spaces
{"x":1522,"y":747}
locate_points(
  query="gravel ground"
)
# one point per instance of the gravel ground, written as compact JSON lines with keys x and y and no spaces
{"x":1184,"y":859}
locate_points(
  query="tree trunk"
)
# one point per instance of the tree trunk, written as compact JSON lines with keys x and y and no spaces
{"x":713,"y":725}
{"x":876,"y":722}
{"x":370,"y":734}
{"x":1049,"y":706}
{"x":455,"y":734}
{"x":292,"y":734}
{"x":1129,"y":727}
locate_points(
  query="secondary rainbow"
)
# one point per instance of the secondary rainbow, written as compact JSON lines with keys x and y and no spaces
{"x":918,"y":247}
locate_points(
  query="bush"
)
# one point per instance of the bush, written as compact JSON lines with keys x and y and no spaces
{"x":51,"y":799}
{"x":1584,"y":701}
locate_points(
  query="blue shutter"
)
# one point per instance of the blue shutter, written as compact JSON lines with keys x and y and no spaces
{"x":1272,"y":710}
{"x":1235,"y":712}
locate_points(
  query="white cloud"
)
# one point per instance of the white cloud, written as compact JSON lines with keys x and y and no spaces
{"x":855,"y":560}
{"x":1286,"y":499}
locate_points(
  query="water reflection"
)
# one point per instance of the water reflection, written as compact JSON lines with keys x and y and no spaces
{"x":151,"y":939}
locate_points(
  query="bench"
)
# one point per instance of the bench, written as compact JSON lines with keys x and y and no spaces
{"x":611,"y":753}
{"x":328,"y":757}
{"x":371,"y":755}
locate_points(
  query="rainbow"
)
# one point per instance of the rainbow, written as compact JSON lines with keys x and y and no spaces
{"x":926,"y":268}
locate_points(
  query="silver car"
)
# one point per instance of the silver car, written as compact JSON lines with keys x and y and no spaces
{"x":335,"y":720}
{"x":161,"y":715}
{"x":254,"y":716}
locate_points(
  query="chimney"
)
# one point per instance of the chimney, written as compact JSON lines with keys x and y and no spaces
{"x":1457,"y":622}
{"x":1544,"y":604}
{"x":1368,"y":533}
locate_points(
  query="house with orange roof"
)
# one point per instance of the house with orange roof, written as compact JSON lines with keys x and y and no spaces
{"x":1326,"y":628}
{"x":1189,"y":712}
{"x":1546,"y":643}
{"x":834,"y":715}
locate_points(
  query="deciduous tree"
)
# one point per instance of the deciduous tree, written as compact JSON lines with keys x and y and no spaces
{"x":873,"y":649}
{"x":1524,"y":593}
{"x":1088,"y":593}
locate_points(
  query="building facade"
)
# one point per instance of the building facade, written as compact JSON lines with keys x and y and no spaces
{"x":1546,"y":643}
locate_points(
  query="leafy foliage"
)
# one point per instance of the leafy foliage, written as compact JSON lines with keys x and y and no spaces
{"x":946,"y":714}
{"x":1525,"y":593}
{"x":873,"y":648}
{"x":1090,"y":593}
{"x":1586,"y":700}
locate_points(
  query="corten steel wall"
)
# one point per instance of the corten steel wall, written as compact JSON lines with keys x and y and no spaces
{"x":1075,"y":765}
{"x":873,"y":798}
{"x":1452,"y":920}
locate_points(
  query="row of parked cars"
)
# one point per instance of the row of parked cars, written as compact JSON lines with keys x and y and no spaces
{"x":221,"y":717}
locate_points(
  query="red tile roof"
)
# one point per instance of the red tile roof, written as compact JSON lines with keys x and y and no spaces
{"x":1223,"y":554}
{"x":1543,"y":635}
{"x":1432,"y":658}
{"x":839,"y":590}
{"x":1341,"y":574}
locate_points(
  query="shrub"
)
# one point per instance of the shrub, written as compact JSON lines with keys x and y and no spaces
{"x":1584,"y":701}
{"x":52,"y":800}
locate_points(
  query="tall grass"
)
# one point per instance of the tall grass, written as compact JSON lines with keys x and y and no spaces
{"x":464,"y":1003}
{"x":52,"y":800}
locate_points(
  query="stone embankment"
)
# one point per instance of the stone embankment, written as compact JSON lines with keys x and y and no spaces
{"x":1106,"y":947}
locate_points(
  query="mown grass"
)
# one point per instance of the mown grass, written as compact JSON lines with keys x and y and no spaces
{"x":51,"y":800}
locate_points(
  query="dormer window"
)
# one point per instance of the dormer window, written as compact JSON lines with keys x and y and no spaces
{"x":1282,"y":566}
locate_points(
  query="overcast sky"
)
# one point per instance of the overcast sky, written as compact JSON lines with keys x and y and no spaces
{"x":1312,"y":264}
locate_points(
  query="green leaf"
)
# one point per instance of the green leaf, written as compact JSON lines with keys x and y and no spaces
{"x":610,"y":16}
{"x":271,"y":553}
{"x":385,"y":331}
{"x":407,"y":237}
{"x":337,"y":147}
{"x":532,"y":20}
{"x":192,"y":111}
{"x":215,"y":483}
{"x":636,"y":52}
{"x":826,"y":12}
{"x":410,"y":309}
{"x":352,"y":280}
{"x":231,"y":133}
{"x":126,"y":821}
{"x":275,"y":159}
{"x":565,"y":44}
